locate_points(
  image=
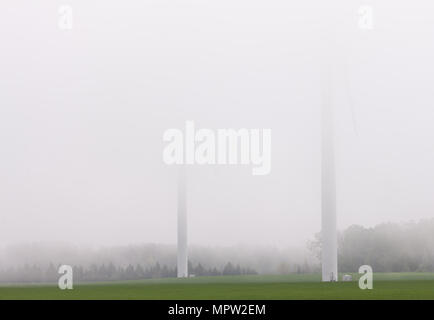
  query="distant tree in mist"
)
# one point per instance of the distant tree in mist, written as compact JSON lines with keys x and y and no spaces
{"x":387,"y":247}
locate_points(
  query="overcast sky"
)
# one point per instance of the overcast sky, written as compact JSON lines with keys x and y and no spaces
{"x":83,"y":111}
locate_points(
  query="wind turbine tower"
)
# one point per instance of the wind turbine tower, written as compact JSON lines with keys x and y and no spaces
{"x":182,"y":263}
{"x":337,"y":35}
{"x":329,"y":254}
{"x":328,"y":189}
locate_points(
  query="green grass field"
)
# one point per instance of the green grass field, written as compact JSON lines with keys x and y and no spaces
{"x":305,"y":286}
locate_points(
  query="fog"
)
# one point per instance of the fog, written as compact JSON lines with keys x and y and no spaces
{"x":83,"y":112}
{"x":387,"y":247}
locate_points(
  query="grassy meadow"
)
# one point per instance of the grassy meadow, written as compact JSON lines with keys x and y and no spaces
{"x":294,"y":286}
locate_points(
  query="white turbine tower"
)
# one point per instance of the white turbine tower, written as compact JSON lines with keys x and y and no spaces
{"x":328,"y":189}
{"x":335,"y":64}
{"x":182,"y":263}
{"x":329,"y":259}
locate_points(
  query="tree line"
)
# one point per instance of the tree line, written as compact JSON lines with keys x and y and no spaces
{"x":387,"y":247}
{"x":110,"y":272}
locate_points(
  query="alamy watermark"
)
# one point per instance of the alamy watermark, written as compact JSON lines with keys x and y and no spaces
{"x":65,"y":21}
{"x":219,"y":147}
{"x":366,"y":17}
{"x":367,"y":279}
{"x":66,"y":280}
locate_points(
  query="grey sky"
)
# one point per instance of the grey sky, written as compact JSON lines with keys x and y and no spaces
{"x":82,"y":115}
